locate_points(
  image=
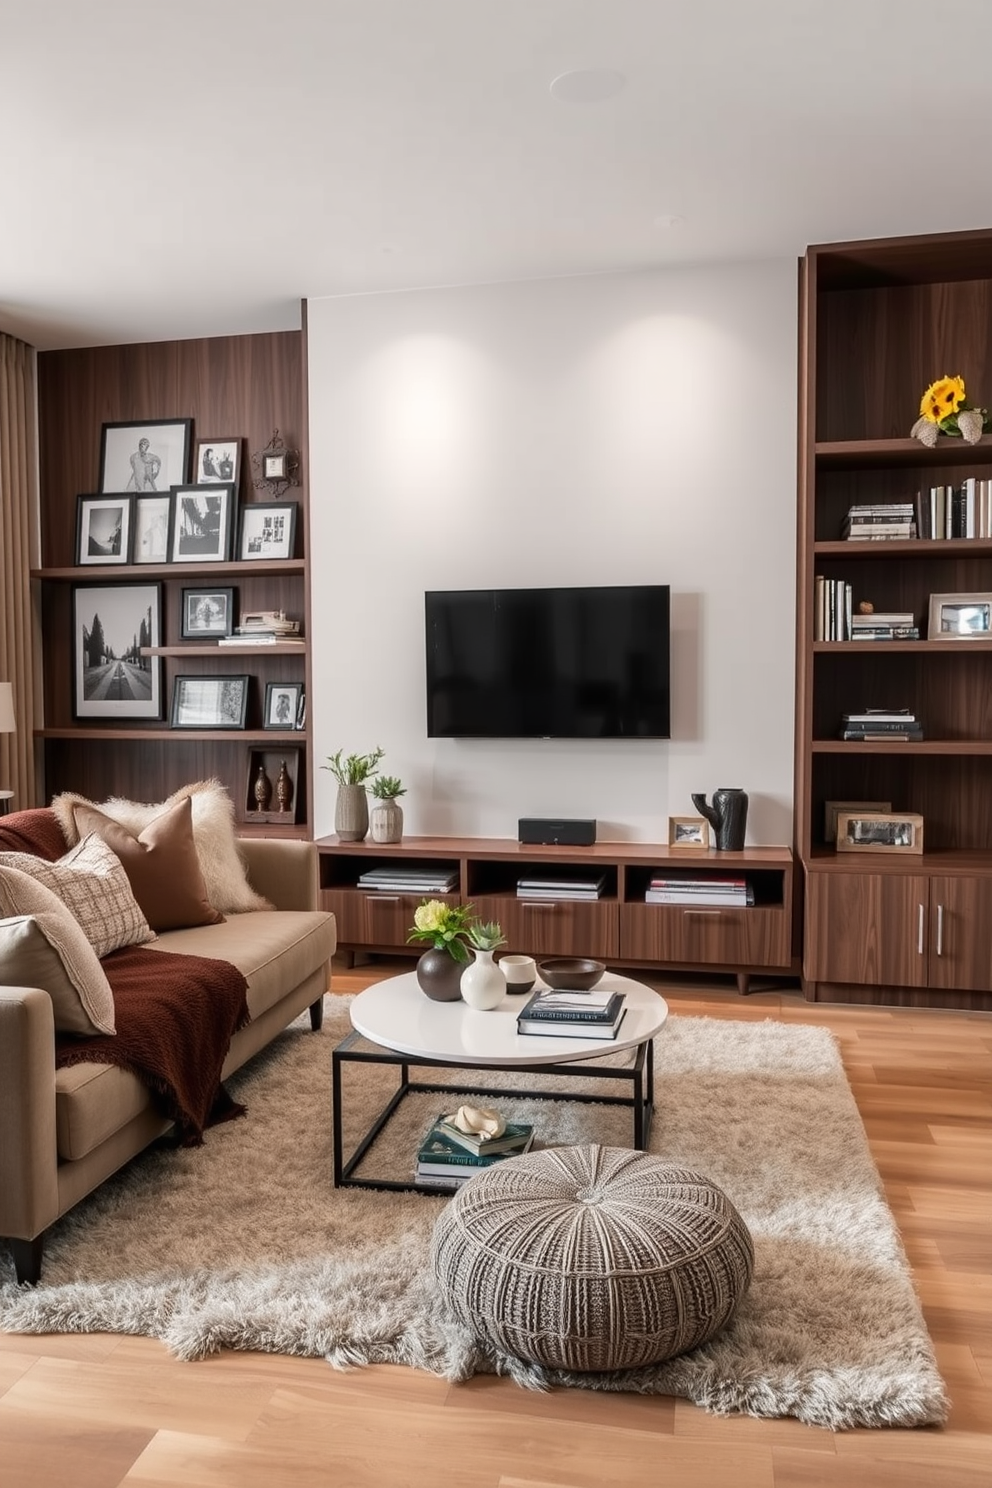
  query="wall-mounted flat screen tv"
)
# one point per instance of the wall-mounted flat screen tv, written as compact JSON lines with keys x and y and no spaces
{"x":581,"y":663}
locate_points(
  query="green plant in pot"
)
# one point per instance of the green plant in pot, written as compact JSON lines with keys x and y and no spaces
{"x":483,"y":985}
{"x":445,"y":927}
{"x":351,"y":809}
{"x":386,"y":814}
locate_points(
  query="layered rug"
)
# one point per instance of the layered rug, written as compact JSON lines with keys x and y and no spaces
{"x":245,"y":1244}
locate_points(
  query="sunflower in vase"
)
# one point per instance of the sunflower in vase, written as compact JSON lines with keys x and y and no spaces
{"x":944,"y":409}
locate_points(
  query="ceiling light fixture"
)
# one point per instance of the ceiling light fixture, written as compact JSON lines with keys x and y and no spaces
{"x":587,"y":85}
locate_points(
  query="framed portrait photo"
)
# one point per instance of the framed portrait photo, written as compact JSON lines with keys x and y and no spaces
{"x":210,"y":702}
{"x":103,"y":529}
{"x":268,"y":530}
{"x":112,"y":625}
{"x":960,"y":617}
{"x":145,"y":455}
{"x":150,"y":527}
{"x":218,"y":461}
{"x":275,"y":465}
{"x":282,"y":705}
{"x":202,"y":523}
{"x":689,"y":831}
{"x":206,"y":614}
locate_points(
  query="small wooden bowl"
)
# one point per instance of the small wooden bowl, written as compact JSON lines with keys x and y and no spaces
{"x":574,"y":973}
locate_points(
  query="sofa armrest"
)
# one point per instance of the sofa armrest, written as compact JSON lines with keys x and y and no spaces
{"x":283,"y":870}
{"x":29,"y":1193}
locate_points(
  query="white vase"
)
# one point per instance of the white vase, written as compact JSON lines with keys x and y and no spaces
{"x":386,"y":820}
{"x":483,"y":984}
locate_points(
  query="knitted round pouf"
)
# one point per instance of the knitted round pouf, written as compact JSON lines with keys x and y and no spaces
{"x":592,"y":1257}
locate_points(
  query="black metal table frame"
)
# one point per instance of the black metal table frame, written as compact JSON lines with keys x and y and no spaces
{"x":639,"y":1074}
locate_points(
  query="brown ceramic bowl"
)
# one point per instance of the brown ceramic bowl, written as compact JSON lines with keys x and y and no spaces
{"x":571,"y":973}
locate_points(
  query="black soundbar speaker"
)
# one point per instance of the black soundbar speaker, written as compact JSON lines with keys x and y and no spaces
{"x":578,"y":832}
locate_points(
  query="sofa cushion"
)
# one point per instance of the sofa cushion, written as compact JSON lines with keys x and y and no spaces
{"x":82,"y":1002}
{"x":228,"y":889}
{"x":92,"y":1102}
{"x":161,"y":863}
{"x":92,"y":884}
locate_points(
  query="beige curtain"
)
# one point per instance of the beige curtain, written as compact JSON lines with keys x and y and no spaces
{"x":18,"y":506}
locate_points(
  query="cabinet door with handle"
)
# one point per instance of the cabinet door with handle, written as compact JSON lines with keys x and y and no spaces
{"x":873,"y":928}
{"x":961,"y":933}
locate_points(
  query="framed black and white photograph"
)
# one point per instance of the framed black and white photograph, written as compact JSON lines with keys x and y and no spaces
{"x":103,"y":529}
{"x":210,"y":702}
{"x":112,"y":625}
{"x":689,"y":831}
{"x":202,"y":523}
{"x":145,"y":455}
{"x":960,"y":617}
{"x":150,"y":526}
{"x":206,"y":614}
{"x":275,"y":465}
{"x":218,"y":461}
{"x":282,"y":705}
{"x":268,"y":529}
{"x":879,"y":831}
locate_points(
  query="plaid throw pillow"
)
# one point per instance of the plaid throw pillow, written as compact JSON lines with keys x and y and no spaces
{"x":92,"y":884}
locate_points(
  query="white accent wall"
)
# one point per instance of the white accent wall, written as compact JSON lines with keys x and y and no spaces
{"x":615,"y":429}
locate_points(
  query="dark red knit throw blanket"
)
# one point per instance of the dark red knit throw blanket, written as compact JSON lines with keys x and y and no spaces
{"x":175,"y":1016}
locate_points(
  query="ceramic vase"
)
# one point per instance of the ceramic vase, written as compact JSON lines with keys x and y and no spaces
{"x":483,"y":984}
{"x":386,"y":820}
{"x":351,"y":813}
{"x":439,"y":976}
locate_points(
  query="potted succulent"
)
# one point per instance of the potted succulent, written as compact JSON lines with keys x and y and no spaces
{"x":445,"y":927}
{"x":483,"y":985}
{"x":386,"y":814}
{"x":351,"y":810}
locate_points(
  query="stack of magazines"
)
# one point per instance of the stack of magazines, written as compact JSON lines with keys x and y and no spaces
{"x":401,"y":880}
{"x":561,"y":888}
{"x":596,"y":1014}
{"x":684,"y":889}
{"x":448,"y":1157}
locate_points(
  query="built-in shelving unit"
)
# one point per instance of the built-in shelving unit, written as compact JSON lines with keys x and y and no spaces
{"x":879,"y":322}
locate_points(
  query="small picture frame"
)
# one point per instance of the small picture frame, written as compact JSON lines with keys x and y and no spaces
{"x":201,"y":523}
{"x":210,"y":702}
{"x":832,"y":809}
{"x":282,"y":705}
{"x":150,"y":528}
{"x":113,"y":625}
{"x":275,"y":465}
{"x":879,"y":831}
{"x":218,"y":461}
{"x":144,"y":455}
{"x":103,"y":529}
{"x":960,"y":617}
{"x":690,"y":832}
{"x":268,"y":530}
{"x":206,"y":614}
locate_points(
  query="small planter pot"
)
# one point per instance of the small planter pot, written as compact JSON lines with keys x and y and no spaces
{"x":440,"y":976}
{"x":351,"y":813}
{"x":386,"y":820}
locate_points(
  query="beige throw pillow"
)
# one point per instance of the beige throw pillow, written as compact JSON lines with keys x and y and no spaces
{"x":161,"y":864}
{"x":91,"y":882}
{"x":224,"y":876}
{"x":41,"y":945}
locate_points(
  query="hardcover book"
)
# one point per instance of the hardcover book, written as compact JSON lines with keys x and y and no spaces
{"x":439,"y":1156}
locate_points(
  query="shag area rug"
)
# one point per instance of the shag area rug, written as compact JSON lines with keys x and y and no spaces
{"x":244,"y":1243}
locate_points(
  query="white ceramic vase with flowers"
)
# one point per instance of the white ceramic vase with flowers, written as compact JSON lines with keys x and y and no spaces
{"x":483,"y":985}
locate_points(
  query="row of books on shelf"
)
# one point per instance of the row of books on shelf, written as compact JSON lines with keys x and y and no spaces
{"x":884,"y":725}
{"x":834,"y":618}
{"x":561,"y":888}
{"x":941,"y":513}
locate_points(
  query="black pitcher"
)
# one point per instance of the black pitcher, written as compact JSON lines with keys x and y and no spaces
{"x":727,"y":816}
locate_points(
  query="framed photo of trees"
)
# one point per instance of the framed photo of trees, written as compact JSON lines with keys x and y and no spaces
{"x":112,"y":625}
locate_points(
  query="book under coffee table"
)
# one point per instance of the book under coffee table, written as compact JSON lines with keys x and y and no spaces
{"x":409,"y":1031}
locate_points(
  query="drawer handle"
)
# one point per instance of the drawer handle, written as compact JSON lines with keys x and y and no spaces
{"x":940,"y":929}
{"x":919,"y":933}
{"x":703,"y":914}
{"x":535,"y":904}
{"x":382,"y":898}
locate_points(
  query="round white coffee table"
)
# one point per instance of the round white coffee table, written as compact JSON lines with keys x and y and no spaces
{"x":410,"y":1030}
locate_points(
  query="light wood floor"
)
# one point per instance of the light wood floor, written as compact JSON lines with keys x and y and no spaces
{"x":96,"y":1411}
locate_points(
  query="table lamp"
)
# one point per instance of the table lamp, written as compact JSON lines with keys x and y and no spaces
{"x":7,"y":726}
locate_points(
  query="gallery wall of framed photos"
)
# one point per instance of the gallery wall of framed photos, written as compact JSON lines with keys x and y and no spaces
{"x":157,"y":542}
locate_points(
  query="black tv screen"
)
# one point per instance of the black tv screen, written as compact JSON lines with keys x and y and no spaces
{"x":584,"y":663}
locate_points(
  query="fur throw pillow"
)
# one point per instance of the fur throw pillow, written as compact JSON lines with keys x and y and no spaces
{"x":224,"y":875}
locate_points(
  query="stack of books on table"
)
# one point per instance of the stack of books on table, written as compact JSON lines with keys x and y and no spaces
{"x":880,"y":521}
{"x":567,"y":1014}
{"x":401,"y":880}
{"x":889,"y":625}
{"x":700,"y":890}
{"x":448,"y":1156}
{"x":561,"y":888}
{"x":885,"y":725}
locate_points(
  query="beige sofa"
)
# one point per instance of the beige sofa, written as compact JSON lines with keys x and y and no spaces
{"x":62,"y":1132}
